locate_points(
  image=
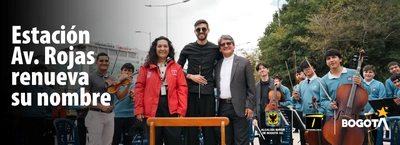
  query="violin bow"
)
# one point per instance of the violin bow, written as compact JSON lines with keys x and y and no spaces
{"x":295,"y":67}
{"x":259,"y":131}
{"x":199,"y":83}
{"x":291,"y":83}
{"x":329,"y":97}
{"x":116,"y":58}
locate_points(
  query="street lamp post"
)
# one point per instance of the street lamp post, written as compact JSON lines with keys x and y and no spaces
{"x":149,"y":33}
{"x":279,"y":21}
{"x":166,"y":13}
{"x":239,"y":45}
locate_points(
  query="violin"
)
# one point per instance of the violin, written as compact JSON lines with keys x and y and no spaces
{"x":272,"y":114}
{"x":59,"y":112}
{"x":274,"y":97}
{"x":315,"y":137}
{"x":350,"y":99}
{"x":132,"y":94}
{"x":114,"y":84}
{"x":299,"y":80}
{"x":314,"y":104}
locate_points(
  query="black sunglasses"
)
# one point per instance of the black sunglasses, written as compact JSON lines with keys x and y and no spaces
{"x":226,"y":43}
{"x":204,"y":29}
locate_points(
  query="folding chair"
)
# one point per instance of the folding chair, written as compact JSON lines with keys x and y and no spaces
{"x":66,"y":132}
{"x":138,"y":133}
{"x":392,"y":135}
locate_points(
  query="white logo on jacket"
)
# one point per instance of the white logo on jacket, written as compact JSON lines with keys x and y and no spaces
{"x":148,"y":74}
{"x":349,"y":78}
{"x":174,"y":72}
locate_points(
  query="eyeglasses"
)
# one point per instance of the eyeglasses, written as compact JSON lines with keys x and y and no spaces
{"x":204,"y":29}
{"x":226,"y":43}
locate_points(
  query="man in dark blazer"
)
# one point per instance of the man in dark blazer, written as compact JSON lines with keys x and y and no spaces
{"x":235,"y":92}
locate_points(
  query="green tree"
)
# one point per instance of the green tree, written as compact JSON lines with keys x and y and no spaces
{"x":352,"y":25}
{"x":309,"y":27}
{"x":280,"y":39}
{"x":253,"y":55}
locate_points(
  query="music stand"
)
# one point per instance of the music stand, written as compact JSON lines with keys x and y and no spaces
{"x":392,"y":108}
{"x":297,"y":118}
{"x":136,"y":129}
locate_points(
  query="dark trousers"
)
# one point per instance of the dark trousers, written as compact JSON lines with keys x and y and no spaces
{"x":121,"y":127}
{"x":200,"y":107}
{"x":237,"y":131}
{"x":15,"y":132}
{"x":38,"y":130}
{"x":166,"y":135}
{"x":82,"y":131}
{"x":302,"y":132}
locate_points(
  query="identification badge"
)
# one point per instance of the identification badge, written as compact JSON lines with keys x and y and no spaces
{"x":163,"y":90}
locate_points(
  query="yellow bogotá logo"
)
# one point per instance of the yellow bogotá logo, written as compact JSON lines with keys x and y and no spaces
{"x":382,"y":112}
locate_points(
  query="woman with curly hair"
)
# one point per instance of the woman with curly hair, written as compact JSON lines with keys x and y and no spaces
{"x":161,"y":91}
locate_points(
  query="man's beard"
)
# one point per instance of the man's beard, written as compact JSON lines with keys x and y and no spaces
{"x":201,"y":39}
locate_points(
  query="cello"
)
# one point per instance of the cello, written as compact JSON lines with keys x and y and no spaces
{"x":350,"y":99}
{"x":315,"y":137}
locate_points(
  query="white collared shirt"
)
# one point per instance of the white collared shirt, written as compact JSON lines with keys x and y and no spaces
{"x":369,"y":81}
{"x":312,"y":78}
{"x":225,"y":76}
{"x":331,"y":76}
